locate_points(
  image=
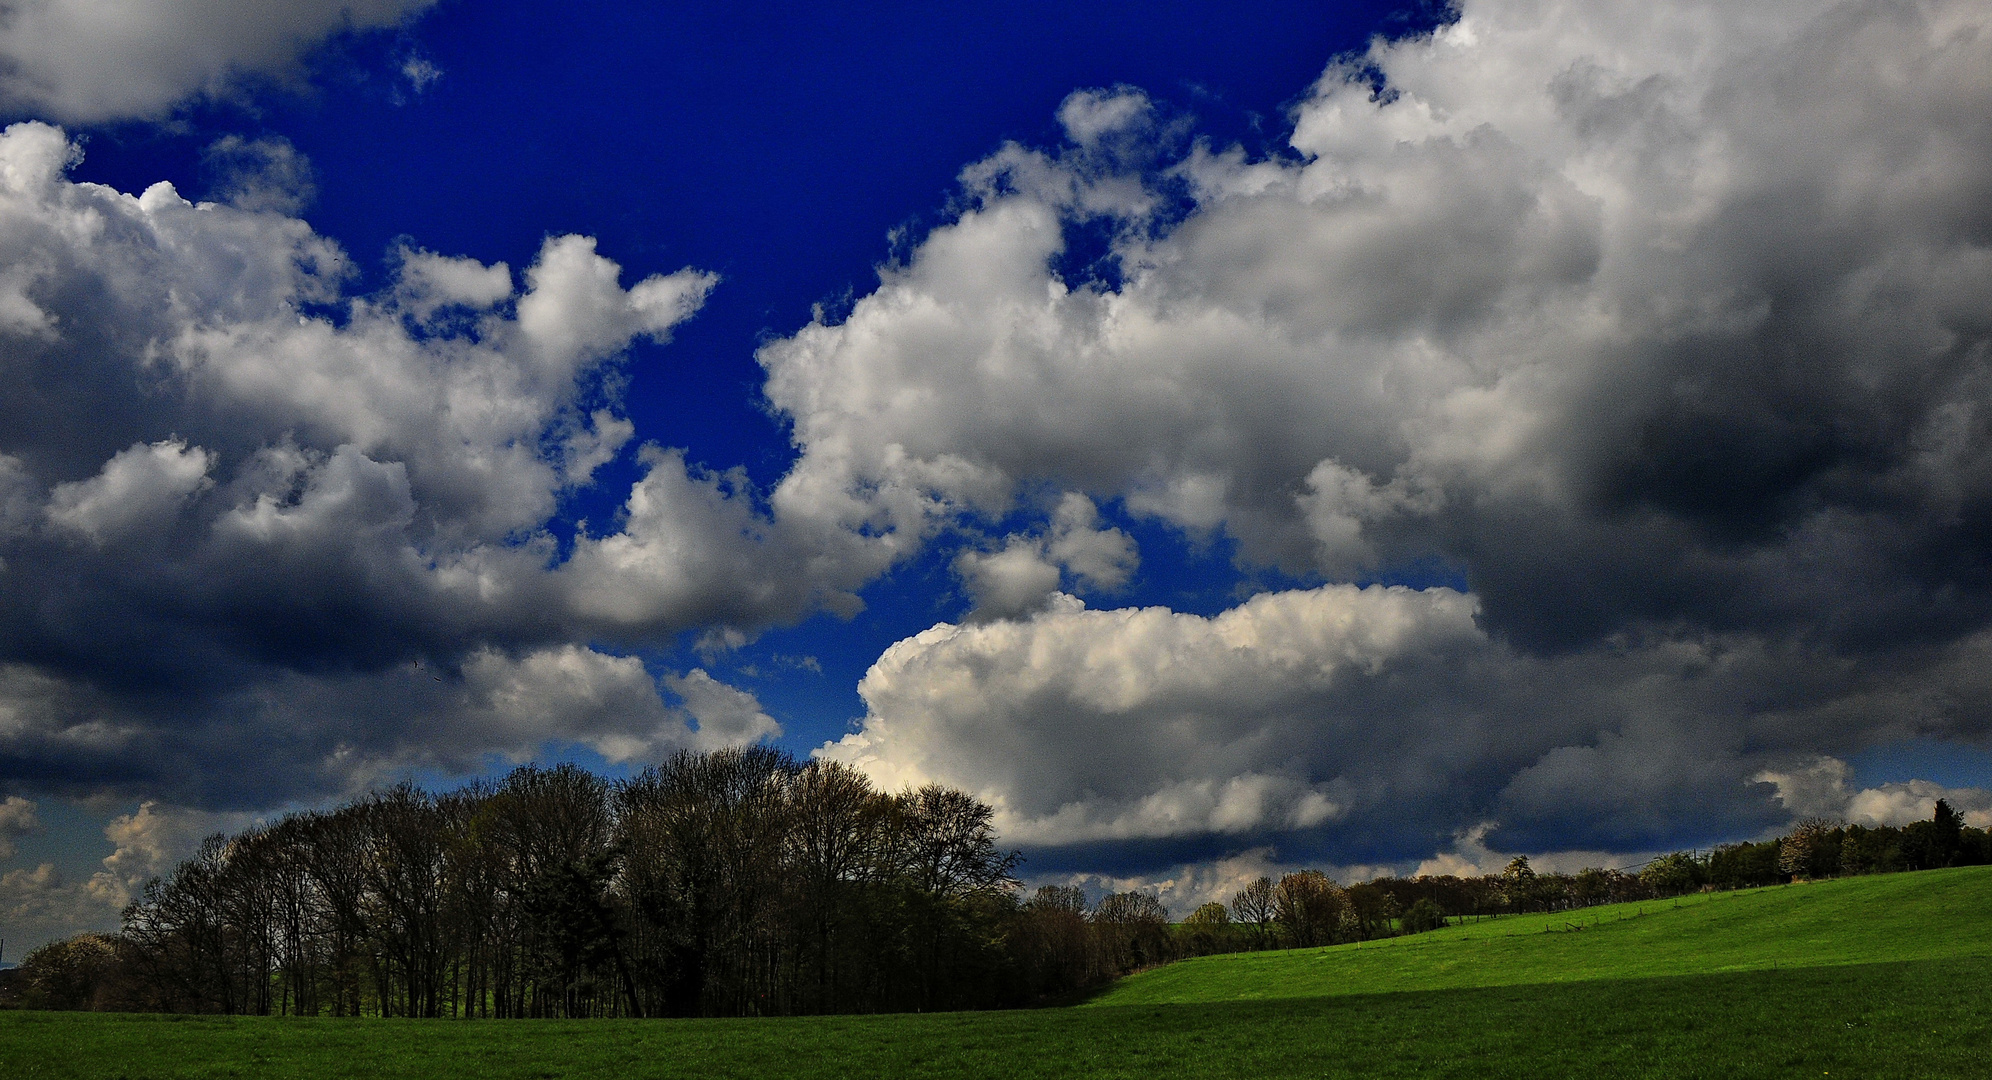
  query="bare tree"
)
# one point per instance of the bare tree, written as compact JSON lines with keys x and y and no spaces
{"x":1310,"y":908}
{"x":1254,"y":906}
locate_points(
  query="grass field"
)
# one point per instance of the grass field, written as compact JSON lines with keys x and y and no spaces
{"x":1930,"y":915}
{"x":1879,"y":977}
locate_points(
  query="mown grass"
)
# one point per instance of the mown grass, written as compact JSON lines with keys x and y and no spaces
{"x":1928,"y":915}
{"x":1821,"y":1012}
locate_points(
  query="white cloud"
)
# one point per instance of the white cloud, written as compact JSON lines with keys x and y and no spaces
{"x":1822,"y":789}
{"x":1015,"y":580}
{"x":42,"y":903}
{"x":726,"y":715}
{"x":429,"y":281}
{"x":96,"y":60}
{"x":149,"y":842}
{"x":1090,"y":115}
{"x":329,"y":501}
{"x":1025,"y":574}
{"x":1088,"y":725}
{"x":610,"y":703}
{"x":266,"y":174}
{"x":140,"y":487}
{"x":1375,"y":726}
{"x":17,"y":819}
{"x":1663,"y":325}
{"x":1523,"y":311}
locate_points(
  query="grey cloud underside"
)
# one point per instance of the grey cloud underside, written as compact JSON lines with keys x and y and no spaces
{"x":1371,"y":726}
{"x":87,"y":61}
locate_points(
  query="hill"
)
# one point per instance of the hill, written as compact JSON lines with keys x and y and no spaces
{"x":1890,"y":917}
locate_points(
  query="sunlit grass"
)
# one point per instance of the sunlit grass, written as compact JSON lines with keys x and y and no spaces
{"x":1929,"y":915}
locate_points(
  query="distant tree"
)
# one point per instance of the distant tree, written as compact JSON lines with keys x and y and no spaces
{"x":1810,"y":850}
{"x":1737,"y":866}
{"x":1253,"y":906}
{"x":1054,"y":943}
{"x":1673,"y":874}
{"x":1593,"y":885}
{"x":737,"y":882}
{"x":1134,"y":930}
{"x":1208,"y":930}
{"x":1210,"y":914}
{"x":837,"y":827}
{"x":77,"y":973}
{"x":1422,"y":916}
{"x":1310,"y":908}
{"x":1372,"y":909}
{"x":705,"y":832}
{"x":1871,"y":850}
{"x":1974,"y":846}
{"x":1928,"y":845}
{"x":1518,"y":884}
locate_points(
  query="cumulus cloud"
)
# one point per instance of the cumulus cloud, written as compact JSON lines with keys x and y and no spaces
{"x":1361,"y":726}
{"x":138,"y":487}
{"x":1823,"y":789}
{"x":149,"y":842}
{"x":1135,"y":724}
{"x":88,"y":61}
{"x":1533,"y":309}
{"x":1026,"y":573}
{"x":610,"y":703}
{"x":1089,"y":116}
{"x":285,"y":497}
{"x":17,"y":819}
{"x":42,"y":903}
{"x":1663,"y":326}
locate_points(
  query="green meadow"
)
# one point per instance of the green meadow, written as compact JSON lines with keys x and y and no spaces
{"x":1871,"y":977}
{"x":1930,"y":915}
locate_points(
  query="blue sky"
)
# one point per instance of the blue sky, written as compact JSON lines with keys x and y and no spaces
{"x":1348,"y":435}
{"x":780,"y":147}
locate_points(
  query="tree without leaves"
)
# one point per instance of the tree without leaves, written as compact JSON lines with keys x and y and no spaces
{"x":1254,"y":906}
{"x":1310,"y":908}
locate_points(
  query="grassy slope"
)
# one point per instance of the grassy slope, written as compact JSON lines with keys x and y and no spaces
{"x":1938,"y":913}
{"x":1904,"y":1018}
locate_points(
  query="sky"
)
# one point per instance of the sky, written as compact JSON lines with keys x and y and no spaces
{"x":1224,"y":438}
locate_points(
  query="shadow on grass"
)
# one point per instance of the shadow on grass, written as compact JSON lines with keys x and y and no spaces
{"x":1902,"y":1019}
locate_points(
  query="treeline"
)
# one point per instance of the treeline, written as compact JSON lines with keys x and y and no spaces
{"x":736,"y":883}
{"x":1307,"y":908}
{"x":739,"y":882}
{"x":746,"y":883}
